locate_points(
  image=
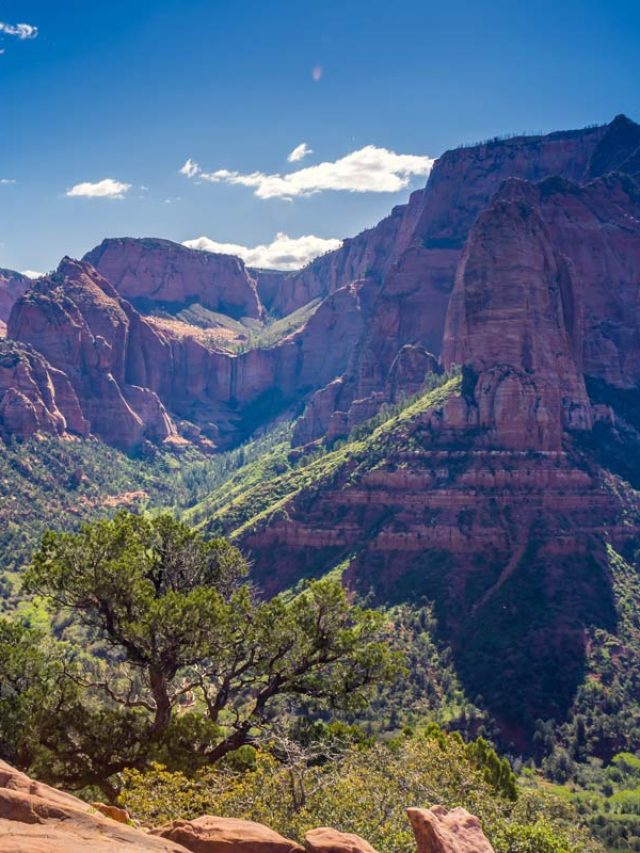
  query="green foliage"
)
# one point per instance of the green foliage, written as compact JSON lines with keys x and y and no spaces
{"x":362,"y":789}
{"x":179,"y":620}
{"x":608,"y":799}
{"x":31,"y":687}
{"x":49,"y":483}
{"x":250,"y":498}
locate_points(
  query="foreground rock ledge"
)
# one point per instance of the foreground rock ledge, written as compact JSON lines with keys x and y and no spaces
{"x":226,"y":835}
{"x":438,"y":831}
{"x":35,"y":818}
{"x":327,"y":840}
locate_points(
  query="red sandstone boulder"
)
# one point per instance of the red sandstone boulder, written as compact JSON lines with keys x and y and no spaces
{"x":439,"y":831}
{"x":327,"y":840}
{"x":35,"y":818}
{"x":113,"y":812}
{"x":226,"y":835}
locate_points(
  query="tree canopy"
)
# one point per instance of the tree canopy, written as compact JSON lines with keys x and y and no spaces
{"x":190,"y":658}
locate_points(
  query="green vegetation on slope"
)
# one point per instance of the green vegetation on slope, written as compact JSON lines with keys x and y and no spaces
{"x":607,"y":798}
{"x":52,"y":483}
{"x":250,"y":333}
{"x":365,"y":788}
{"x":176,"y":616}
{"x":257,"y":491}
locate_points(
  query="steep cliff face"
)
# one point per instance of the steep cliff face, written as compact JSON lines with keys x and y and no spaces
{"x":151,"y":272}
{"x":76,"y":321}
{"x":12,"y":286}
{"x":415,"y":287}
{"x":544,"y":294}
{"x":34,"y":396}
{"x":507,"y":543}
{"x":368,"y":255}
{"x":139,"y":378}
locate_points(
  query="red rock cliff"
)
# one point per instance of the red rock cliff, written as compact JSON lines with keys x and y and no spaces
{"x":148,"y":271}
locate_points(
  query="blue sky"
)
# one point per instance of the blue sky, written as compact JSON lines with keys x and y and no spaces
{"x":129,"y":91}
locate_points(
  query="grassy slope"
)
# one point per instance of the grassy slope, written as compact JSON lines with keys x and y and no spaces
{"x":250,"y":333}
{"x":255,"y":492}
{"x":49,"y":483}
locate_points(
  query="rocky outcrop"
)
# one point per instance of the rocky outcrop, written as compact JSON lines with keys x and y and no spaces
{"x":415,"y":285}
{"x":78,"y":323}
{"x":152,"y":272}
{"x":34,"y":396}
{"x":12,"y":286}
{"x":368,"y":255}
{"x":438,"y":831}
{"x":544,"y":296}
{"x":530,"y":321}
{"x":226,"y":835}
{"x":35,"y":818}
{"x":618,"y":149}
{"x":327,"y":840}
{"x":113,"y":812}
{"x":138,"y":379}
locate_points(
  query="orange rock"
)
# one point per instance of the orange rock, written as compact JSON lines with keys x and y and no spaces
{"x":35,"y":818}
{"x":226,"y":835}
{"x":438,"y":831}
{"x":327,"y":840}
{"x":119,"y":815}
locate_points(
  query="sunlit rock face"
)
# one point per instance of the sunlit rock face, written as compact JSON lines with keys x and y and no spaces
{"x":151,"y":271}
{"x":517,"y":260}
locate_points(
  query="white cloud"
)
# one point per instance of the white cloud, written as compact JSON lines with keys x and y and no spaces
{"x":369,"y":169}
{"x":283,"y":253}
{"x":299,"y":152}
{"x":7,"y":181}
{"x":32,"y":274}
{"x":107,"y":188}
{"x":22,"y":31}
{"x":190,"y":169}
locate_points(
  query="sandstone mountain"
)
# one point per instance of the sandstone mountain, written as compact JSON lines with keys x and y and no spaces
{"x":503,"y":297}
{"x":359,"y":325}
{"x":12,"y":286}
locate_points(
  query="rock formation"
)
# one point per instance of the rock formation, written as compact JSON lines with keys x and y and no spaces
{"x":34,"y":396}
{"x":77,"y":322}
{"x":209,"y":834}
{"x":138,"y":378}
{"x":393,"y":300}
{"x":544,"y":297}
{"x":158,"y":272}
{"x":12,"y":286}
{"x":327,"y":840}
{"x":35,"y":818}
{"x":439,"y":831}
{"x":412,"y":297}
